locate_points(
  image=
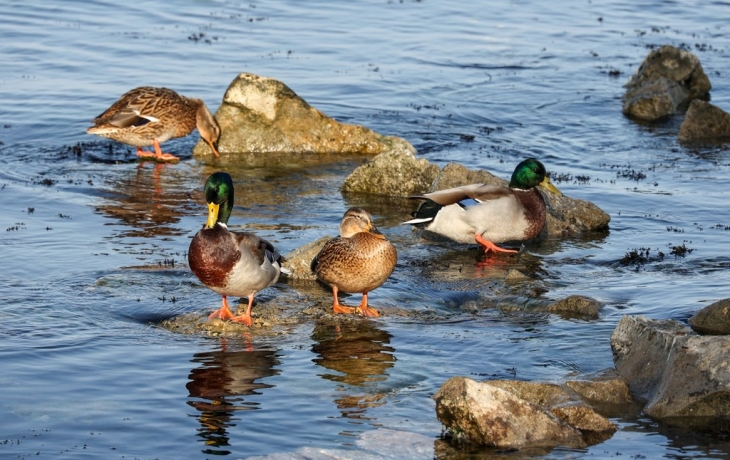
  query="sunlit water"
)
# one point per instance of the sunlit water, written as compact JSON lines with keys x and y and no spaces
{"x":94,"y":248}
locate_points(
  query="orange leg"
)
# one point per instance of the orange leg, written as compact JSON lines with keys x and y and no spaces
{"x":157,"y":155}
{"x":225,"y":313}
{"x":340,"y":308}
{"x":364,"y":310}
{"x":488,"y":245}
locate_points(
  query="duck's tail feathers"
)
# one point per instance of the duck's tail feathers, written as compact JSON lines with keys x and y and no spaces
{"x":425,"y":213}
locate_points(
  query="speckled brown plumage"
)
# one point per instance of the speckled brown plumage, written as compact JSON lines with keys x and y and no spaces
{"x":357,"y":261}
{"x":149,"y":116}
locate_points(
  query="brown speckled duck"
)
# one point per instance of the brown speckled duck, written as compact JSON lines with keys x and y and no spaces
{"x":149,"y":116}
{"x":230,"y":263}
{"x":513,"y":213}
{"x":357,"y":261}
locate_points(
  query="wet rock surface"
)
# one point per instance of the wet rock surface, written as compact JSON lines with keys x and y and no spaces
{"x":675,"y":371}
{"x":263,"y":115}
{"x":577,"y":305}
{"x":667,"y":80}
{"x":704,"y":121}
{"x":713,"y":319}
{"x":519,"y":414}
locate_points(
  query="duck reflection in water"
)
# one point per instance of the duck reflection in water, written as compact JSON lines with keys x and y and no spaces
{"x":359,"y":354}
{"x":218,"y":385}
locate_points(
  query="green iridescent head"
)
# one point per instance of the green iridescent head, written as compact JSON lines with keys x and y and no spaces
{"x":531,"y":173}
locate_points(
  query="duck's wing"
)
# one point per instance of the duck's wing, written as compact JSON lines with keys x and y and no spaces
{"x":138,"y":107}
{"x":258,"y":248}
{"x":477,"y":192}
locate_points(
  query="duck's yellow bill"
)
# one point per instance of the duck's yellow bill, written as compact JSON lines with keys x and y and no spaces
{"x":547,"y":185}
{"x":212,"y":215}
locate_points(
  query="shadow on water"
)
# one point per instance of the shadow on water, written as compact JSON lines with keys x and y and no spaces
{"x":357,"y":355}
{"x":218,"y":385}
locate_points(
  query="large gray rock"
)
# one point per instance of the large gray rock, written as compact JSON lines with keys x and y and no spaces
{"x":667,"y":80}
{"x":488,"y":415}
{"x":677,"y":373}
{"x":704,"y":121}
{"x":263,"y":115}
{"x":713,"y":319}
{"x":403,"y":175}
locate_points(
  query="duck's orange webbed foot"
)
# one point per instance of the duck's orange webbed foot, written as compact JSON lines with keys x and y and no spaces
{"x":340,"y":309}
{"x":364,"y":310}
{"x":489,"y":246}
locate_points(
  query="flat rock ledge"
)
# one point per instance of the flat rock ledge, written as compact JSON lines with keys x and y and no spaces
{"x":511,"y":414}
{"x":677,"y":373}
{"x":666,"y":82}
{"x":263,"y":115}
{"x":402,"y":174}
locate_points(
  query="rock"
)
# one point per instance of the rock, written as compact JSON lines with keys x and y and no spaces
{"x":562,"y":403}
{"x":488,"y":415}
{"x":602,"y":388}
{"x":395,"y":173}
{"x":667,"y":80}
{"x":677,"y":373}
{"x":713,"y":319}
{"x":704,"y":121}
{"x":262,"y":115}
{"x":577,"y":305}
{"x":585,"y":419}
{"x":299,"y":260}
{"x":402,"y":174}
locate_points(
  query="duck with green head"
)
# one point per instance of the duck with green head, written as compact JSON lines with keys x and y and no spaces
{"x":230,"y":263}
{"x":501,"y":214}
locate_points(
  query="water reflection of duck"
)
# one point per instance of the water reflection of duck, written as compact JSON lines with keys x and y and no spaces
{"x":360,"y":356}
{"x":223,"y":376}
{"x":359,"y":260}
{"x":230,"y":263}
{"x":502,"y":214}
{"x":148,"y":116}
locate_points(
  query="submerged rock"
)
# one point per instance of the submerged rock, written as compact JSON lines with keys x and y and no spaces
{"x":403,"y":175}
{"x":713,"y":319}
{"x":577,"y":305}
{"x":677,"y":372}
{"x":262,"y":115}
{"x":667,"y":80}
{"x":704,"y":121}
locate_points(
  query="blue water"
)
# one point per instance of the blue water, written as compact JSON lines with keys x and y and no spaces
{"x":90,"y":233}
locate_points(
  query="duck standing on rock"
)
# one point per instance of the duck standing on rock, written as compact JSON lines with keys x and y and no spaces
{"x":513,"y":213}
{"x":149,"y":116}
{"x":230,"y":263}
{"x":359,"y":260}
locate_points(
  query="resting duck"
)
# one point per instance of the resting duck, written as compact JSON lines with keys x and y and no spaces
{"x":230,"y":263}
{"x":149,"y":116}
{"x":513,"y":213}
{"x":359,"y":260}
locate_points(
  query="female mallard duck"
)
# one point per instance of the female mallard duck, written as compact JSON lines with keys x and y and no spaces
{"x":230,"y":263}
{"x":359,"y":260}
{"x":514,"y":213}
{"x":149,"y":116}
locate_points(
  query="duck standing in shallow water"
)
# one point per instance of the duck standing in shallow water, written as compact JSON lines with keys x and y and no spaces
{"x":359,"y":260}
{"x":149,"y":116}
{"x":513,"y":213}
{"x":230,"y":263}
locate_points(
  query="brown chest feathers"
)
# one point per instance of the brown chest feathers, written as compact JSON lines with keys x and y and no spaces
{"x":534,"y":209}
{"x":212,"y":255}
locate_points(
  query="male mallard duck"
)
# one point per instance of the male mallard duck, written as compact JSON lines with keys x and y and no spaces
{"x":514,"y":213}
{"x":359,"y":260}
{"x":230,"y":263}
{"x":149,"y":116}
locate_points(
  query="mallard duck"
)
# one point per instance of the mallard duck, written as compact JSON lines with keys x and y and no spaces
{"x":513,"y":213}
{"x":359,"y":260}
{"x":230,"y":263}
{"x":149,"y":116}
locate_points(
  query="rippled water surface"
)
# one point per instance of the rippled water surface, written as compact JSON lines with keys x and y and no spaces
{"x":93,"y":252}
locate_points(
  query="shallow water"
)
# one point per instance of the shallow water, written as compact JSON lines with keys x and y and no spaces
{"x":93,"y":256}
